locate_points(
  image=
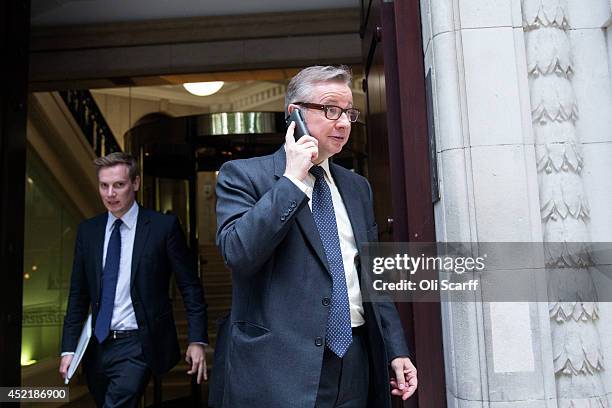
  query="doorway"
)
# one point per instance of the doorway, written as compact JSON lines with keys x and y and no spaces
{"x":80,"y":75}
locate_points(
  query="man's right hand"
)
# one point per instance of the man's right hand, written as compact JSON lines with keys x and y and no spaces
{"x":64,"y":364}
{"x":301,"y":154}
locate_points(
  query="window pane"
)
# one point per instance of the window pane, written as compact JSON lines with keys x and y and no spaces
{"x":50,"y":231}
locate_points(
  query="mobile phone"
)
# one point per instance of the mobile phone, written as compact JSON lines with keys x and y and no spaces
{"x":300,"y":125}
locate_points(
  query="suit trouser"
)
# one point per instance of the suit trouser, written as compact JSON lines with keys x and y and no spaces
{"x":117,"y":373}
{"x":344,"y":381}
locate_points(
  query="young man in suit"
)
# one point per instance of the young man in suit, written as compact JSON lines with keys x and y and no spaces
{"x":289,"y":227}
{"x":122,"y":265}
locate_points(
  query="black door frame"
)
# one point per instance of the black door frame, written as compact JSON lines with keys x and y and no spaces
{"x":14,"y":36}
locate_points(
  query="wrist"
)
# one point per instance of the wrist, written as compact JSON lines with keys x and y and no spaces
{"x":299,"y":183}
{"x":294,"y":176}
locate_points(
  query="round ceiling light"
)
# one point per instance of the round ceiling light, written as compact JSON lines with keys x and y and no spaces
{"x":203,"y":88}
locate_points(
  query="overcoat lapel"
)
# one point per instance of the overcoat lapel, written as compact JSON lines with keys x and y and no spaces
{"x":98,"y":249}
{"x":355,"y":209}
{"x":304,"y":216}
{"x":142,"y":234}
{"x":352,"y":203}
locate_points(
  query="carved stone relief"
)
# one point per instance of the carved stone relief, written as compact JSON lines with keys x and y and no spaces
{"x":564,"y":207}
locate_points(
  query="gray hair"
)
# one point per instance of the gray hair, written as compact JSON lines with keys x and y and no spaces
{"x":116,"y":158}
{"x":300,"y":86}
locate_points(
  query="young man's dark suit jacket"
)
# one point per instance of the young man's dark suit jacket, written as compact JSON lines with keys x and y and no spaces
{"x":159,"y":249}
{"x":281,"y":286}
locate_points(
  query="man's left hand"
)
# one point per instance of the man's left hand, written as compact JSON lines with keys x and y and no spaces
{"x":404,"y":383}
{"x":196,"y":356}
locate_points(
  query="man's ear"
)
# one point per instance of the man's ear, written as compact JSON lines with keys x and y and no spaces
{"x":290,"y":108}
{"x":136,"y":183}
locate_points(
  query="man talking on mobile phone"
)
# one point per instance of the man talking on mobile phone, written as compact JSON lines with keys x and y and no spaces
{"x":289,"y":227}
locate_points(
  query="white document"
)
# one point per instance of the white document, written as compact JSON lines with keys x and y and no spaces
{"x":80,"y":350}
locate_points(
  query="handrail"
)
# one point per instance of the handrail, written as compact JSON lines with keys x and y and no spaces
{"x":85,"y":111}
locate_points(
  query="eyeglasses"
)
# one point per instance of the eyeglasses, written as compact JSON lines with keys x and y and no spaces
{"x":332,"y":112}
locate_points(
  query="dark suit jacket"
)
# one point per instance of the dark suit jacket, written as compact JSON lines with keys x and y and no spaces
{"x":159,"y":249}
{"x":277,"y":327}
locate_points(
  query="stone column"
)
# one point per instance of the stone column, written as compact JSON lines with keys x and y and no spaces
{"x":496,"y":354}
{"x":564,"y":207}
{"x":523,"y":118}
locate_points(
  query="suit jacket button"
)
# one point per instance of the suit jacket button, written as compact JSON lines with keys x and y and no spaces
{"x":282,"y":218}
{"x":293,"y":204}
{"x":326,"y":301}
{"x":318,"y":341}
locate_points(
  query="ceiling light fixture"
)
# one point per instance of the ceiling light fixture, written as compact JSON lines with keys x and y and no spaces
{"x":203,"y":88}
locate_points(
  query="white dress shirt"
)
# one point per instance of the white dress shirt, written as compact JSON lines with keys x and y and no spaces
{"x":347,"y":240}
{"x":123,"y":312}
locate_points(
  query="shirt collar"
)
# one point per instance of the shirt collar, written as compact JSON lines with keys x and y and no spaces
{"x":325,"y":166}
{"x":129,"y":218}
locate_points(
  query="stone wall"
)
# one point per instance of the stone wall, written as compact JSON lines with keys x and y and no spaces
{"x":495,"y":78}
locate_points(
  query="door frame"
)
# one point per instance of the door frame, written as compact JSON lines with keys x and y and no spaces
{"x":414,"y":190}
{"x":15,"y":29}
{"x":396,"y":27}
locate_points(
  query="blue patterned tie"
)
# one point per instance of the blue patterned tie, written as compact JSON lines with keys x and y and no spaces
{"x":109,"y":283}
{"x":339,"y":336}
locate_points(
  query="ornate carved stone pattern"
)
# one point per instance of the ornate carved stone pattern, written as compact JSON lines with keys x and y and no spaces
{"x":564,"y":208}
{"x":47,"y":314}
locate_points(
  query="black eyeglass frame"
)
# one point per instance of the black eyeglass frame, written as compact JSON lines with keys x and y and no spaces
{"x":325,"y":109}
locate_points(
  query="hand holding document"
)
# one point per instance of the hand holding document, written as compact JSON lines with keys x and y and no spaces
{"x":80,"y":350}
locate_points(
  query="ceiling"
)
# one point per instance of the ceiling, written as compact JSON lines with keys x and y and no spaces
{"x":246,"y":94}
{"x":230,"y":92}
{"x":246,"y":89}
{"x":69,"y":12}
